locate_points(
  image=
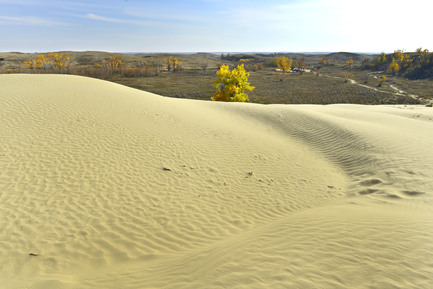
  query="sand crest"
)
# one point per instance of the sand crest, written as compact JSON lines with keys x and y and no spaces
{"x":104,"y":186}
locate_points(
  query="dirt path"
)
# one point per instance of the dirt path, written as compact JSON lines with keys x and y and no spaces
{"x":352,"y":81}
{"x":392,"y":86}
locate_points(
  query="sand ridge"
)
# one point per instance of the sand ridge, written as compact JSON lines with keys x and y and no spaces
{"x":118,"y":188}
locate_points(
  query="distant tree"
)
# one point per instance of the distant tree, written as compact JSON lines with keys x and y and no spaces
{"x":167,"y":63}
{"x":323,"y":60}
{"x":407,"y":60}
{"x":301,"y":64}
{"x":232,"y":85}
{"x":421,"y":53}
{"x":60,"y":60}
{"x":394,"y":67}
{"x":172,"y":63}
{"x":175,"y":63}
{"x":381,"y":59}
{"x":284,"y":63}
{"x":349,"y":62}
{"x":422,"y":57}
{"x":50,"y":61}
{"x":115,"y":61}
{"x":399,"y":55}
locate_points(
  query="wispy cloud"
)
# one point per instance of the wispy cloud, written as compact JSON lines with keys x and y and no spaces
{"x":30,"y":20}
{"x":171,"y":16}
{"x":151,"y":23}
{"x":120,"y":20}
{"x":106,"y":19}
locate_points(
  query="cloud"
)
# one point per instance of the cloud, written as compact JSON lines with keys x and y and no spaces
{"x":106,"y":19}
{"x":147,"y":23}
{"x":29,"y":20}
{"x":171,"y":16}
{"x":119,"y":20}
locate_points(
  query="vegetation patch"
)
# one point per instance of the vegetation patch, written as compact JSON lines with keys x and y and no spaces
{"x":288,"y":78}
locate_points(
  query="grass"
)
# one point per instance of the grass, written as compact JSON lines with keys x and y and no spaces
{"x":271,"y":87}
{"x":183,"y":84}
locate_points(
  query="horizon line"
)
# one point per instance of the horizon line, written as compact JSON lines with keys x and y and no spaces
{"x":197,"y":52}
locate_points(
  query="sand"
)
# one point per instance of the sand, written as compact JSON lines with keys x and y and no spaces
{"x":105,"y":186}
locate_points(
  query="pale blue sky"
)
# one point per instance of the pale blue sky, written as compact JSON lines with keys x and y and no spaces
{"x":215,"y":25}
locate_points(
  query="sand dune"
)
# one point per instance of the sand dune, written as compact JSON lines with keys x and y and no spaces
{"x":111,"y":187}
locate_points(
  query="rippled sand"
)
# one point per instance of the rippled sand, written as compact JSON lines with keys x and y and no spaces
{"x":104,"y":186}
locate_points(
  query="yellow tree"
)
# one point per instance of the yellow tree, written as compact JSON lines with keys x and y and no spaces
{"x":394,"y":67}
{"x":381,"y":59}
{"x":421,"y":52}
{"x":323,"y":60}
{"x":406,"y":61}
{"x":58,"y":60}
{"x":115,"y":61}
{"x":52,"y":60}
{"x":284,"y":63}
{"x":349,"y":62}
{"x":172,"y":63}
{"x":43,"y":62}
{"x":61,"y":60}
{"x":175,"y":63}
{"x":30,"y":64}
{"x":399,"y":55}
{"x":232,"y":85}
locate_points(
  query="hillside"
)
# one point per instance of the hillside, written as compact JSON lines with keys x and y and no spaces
{"x":325,"y":83}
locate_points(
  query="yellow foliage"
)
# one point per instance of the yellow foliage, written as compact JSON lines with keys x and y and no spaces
{"x":381,"y":58}
{"x":323,"y":60}
{"x":30,"y":64}
{"x":394,"y":67}
{"x":115,"y":61}
{"x":407,"y":61}
{"x":399,"y":55}
{"x":59,"y":60}
{"x":175,"y":63}
{"x":52,"y":60}
{"x":421,"y":52}
{"x":284,"y":63}
{"x":231,"y":85}
{"x":349,"y":62}
{"x":172,"y":63}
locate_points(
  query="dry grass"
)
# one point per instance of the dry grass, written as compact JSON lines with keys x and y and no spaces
{"x":147,"y":72}
{"x":271,"y":87}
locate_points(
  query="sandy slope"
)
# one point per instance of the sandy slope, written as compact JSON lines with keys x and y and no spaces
{"x":116,"y":188}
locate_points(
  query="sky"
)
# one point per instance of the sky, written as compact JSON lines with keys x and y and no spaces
{"x":215,"y":25}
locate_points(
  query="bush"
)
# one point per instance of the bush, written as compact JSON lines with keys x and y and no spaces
{"x":232,"y":85}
